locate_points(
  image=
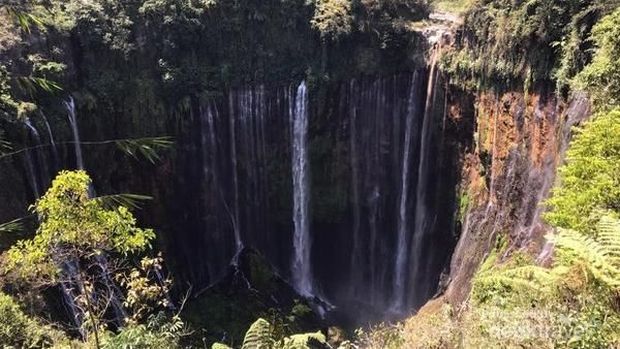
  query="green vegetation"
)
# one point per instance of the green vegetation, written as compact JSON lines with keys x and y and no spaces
{"x":526,"y":43}
{"x":85,"y":243}
{"x":136,"y":68}
{"x":452,"y":6}
{"x":332,"y":18}
{"x":590,"y":181}
{"x":261,"y":335}
{"x":20,"y":331}
{"x":571,"y":301}
{"x":72,"y":221}
{"x":601,"y":78}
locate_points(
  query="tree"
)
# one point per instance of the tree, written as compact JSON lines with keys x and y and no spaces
{"x":332,"y":18}
{"x":75,"y":246}
{"x":601,"y":78}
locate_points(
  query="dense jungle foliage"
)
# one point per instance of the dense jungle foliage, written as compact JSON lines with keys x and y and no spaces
{"x":506,"y":44}
{"x":150,"y":58}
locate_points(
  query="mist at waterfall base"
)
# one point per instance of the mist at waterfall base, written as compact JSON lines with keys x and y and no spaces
{"x":352,"y":202}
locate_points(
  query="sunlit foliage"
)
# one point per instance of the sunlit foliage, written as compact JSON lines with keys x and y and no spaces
{"x":601,"y":78}
{"x":332,"y":18}
{"x":590,"y":180}
{"x":71,"y":220}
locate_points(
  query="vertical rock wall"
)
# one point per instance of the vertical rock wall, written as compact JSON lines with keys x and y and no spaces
{"x":519,"y":142}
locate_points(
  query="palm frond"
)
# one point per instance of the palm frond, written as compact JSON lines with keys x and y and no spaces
{"x":132,"y":201}
{"x":149,"y":147}
{"x":5,"y":146}
{"x":24,"y":19}
{"x":14,"y":226}
{"x":31,"y":83}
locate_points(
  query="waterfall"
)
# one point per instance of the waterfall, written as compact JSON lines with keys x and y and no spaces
{"x":376,"y":151}
{"x":356,"y":257}
{"x":70,"y":267}
{"x":114,"y":293}
{"x":424,"y":215}
{"x":233,"y":149}
{"x":67,"y":287}
{"x":301,"y":267}
{"x":35,"y":161}
{"x":30,"y":168}
{"x":50,"y":135}
{"x":70,"y":106}
{"x":403,"y":221}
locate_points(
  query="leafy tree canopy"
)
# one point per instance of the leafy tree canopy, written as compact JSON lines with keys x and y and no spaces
{"x":601,"y":78}
{"x":70,"y":219}
{"x":332,"y":18}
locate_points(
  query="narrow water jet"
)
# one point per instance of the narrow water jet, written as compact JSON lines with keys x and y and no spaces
{"x":422,"y":212}
{"x":50,"y":135}
{"x":403,"y":219}
{"x":72,"y":116}
{"x":29,"y":164}
{"x":301,"y":267}
{"x":235,"y":168}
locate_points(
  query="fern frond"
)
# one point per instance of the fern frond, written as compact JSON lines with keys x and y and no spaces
{"x":608,"y":230}
{"x":514,"y":281}
{"x":304,"y":341}
{"x":259,"y":336}
{"x":220,"y":346}
{"x":600,"y":255}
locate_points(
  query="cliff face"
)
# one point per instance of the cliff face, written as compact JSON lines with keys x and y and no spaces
{"x":388,"y":151}
{"x":519,"y":141}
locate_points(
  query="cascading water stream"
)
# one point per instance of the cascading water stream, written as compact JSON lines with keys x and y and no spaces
{"x":371,"y":169}
{"x":30,"y":168}
{"x":403,"y":221}
{"x":233,"y":147}
{"x":70,"y":267}
{"x":422,"y":213}
{"x":50,"y":135}
{"x":70,"y":106}
{"x":301,"y":267}
{"x":356,"y":257}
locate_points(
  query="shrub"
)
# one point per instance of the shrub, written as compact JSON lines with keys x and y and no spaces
{"x":20,"y":331}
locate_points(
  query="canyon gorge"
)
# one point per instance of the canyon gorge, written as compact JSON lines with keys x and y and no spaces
{"x":362,"y":175}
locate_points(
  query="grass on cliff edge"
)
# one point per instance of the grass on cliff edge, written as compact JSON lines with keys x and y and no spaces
{"x":456,"y":7}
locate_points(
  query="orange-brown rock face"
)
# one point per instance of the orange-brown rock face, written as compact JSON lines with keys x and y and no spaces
{"x":519,"y":141}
